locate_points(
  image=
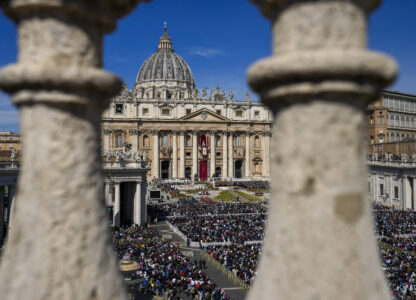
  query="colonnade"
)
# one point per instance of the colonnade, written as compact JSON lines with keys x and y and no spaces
{"x":6,"y":207}
{"x":113,"y":199}
{"x":228,"y":152}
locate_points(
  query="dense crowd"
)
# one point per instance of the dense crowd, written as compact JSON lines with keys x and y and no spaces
{"x":249,"y":185}
{"x":391,"y":222}
{"x":163,"y":269}
{"x":400,"y":271}
{"x":195,"y":208}
{"x":240,"y":222}
{"x":238,"y":259}
{"x":405,"y":243}
{"x":232,"y":228}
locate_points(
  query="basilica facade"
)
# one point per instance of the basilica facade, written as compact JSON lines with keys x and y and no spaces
{"x":181,"y":132}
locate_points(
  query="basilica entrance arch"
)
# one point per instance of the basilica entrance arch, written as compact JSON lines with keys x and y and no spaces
{"x":203,"y":170}
{"x":238,"y":169}
{"x":165,"y":166}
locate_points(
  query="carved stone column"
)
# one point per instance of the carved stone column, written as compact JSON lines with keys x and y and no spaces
{"x":182,"y":155}
{"x":138,"y":204}
{"x":266,"y":154}
{"x":317,"y":84}
{"x":194,"y":154}
{"x":107,"y":193}
{"x":1,"y":214}
{"x":175,"y":154}
{"x":156,"y":151}
{"x":116,"y":207}
{"x":212,"y":154}
{"x":248,"y":158}
{"x":60,"y":228}
{"x":134,"y":134}
{"x":224,"y":172}
{"x":231,"y":154}
{"x":11,"y":206}
{"x":106,"y":142}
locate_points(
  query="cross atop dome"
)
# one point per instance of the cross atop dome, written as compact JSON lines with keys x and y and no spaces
{"x":165,"y":41}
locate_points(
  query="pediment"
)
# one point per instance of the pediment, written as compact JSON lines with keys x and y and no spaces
{"x":204,"y":115}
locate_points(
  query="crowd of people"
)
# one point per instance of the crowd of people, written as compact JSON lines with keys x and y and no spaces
{"x":405,"y":243}
{"x":400,"y":271}
{"x":249,"y":185}
{"x":391,"y":222}
{"x":238,"y":259}
{"x":231,"y":228}
{"x":193,"y":208}
{"x":163,"y":269}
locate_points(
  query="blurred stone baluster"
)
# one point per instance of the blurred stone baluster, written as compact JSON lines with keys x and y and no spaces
{"x":59,"y":247}
{"x":319,"y":238}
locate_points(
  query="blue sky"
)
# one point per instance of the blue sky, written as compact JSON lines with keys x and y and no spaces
{"x":219,"y":40}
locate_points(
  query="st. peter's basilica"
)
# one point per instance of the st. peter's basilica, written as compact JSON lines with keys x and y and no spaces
{"x":181,"y":132}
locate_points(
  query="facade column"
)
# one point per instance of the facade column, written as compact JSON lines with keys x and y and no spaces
{"x":231,"y":155}
{"x":212,"y":159}
{"x":107,"y":193}
{"x":2,"y":230}
{"x":58,"y":80}
{"x":11,"y":209}
{"x":175,"y":154}
{"x":224,"y":171}
{"x":248,"y":158}
{"x":116,"y":208}
{"x":182,"y":154}
{"x":134,"y":133}
{"x":266,"y":155}
{"x":194,"y":154}
{"x":156,"y":151}
{"x":319,"y":78}
{"x":138,"y":207}
{"x":106,"y":143}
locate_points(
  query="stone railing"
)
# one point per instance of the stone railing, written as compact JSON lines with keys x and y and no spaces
{"x":317,"y":83}
{"x":392,"y":163}
{"x":59,"y":247}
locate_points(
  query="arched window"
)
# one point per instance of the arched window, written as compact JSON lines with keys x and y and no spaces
{"x":391,"y":120}
{"x":402,"y":137}
{"x":381,"y":119}
{"x":217,"y":142}
{"x":238,"y":140}
{"x":412,"y":123}
{"x":188,"y":141}
{"x":407,"y":122}
{"x":145,"y":141}
{"x":397,"y":139}
{"x":256,"y":141}
{"x":402,"y":122}
{"x":119,"y":140}
{"x":397,"y":124}
{"x":165,"y":140}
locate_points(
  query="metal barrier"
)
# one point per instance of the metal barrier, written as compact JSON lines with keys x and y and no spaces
{"x":230,"y":275}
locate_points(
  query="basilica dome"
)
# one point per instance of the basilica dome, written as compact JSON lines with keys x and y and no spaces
{"x":165,"y":67}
